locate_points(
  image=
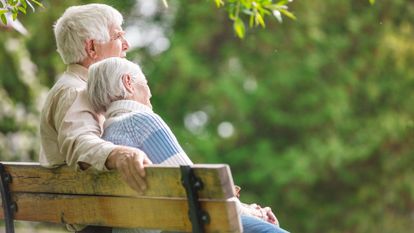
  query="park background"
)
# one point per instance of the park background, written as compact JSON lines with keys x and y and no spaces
{"x":314,"y":115}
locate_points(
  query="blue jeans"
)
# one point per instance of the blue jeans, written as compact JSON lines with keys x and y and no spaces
{"x":255,"y":225}
{"x":250,"y":225}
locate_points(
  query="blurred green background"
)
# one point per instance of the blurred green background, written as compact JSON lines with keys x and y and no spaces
{"x":314,"y":116}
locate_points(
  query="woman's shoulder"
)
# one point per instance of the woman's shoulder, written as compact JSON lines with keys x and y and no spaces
{"x":145,"y":116}
{"x":146,"y":119}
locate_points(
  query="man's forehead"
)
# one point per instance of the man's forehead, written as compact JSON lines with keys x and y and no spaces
{"x":115,"y":29}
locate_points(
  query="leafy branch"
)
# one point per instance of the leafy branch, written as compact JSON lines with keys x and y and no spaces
{"x":254,"y":12}
{"x":251,"y":12}
{"x":14,"y":7}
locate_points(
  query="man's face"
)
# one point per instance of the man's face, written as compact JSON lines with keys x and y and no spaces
{"x":116,"y":47}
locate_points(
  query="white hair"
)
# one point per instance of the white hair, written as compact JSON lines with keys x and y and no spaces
{"x":105,"y":81}
{"x":79,"y":23}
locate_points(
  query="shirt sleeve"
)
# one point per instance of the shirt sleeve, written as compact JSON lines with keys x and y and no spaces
{"x":159,"y":142}
{"x":79,"y":131}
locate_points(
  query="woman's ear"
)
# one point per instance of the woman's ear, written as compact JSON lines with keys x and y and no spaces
{"x":90,"y":49}
{"x":127,"y":81}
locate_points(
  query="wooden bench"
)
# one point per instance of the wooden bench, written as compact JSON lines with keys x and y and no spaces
{"x":203,"y":193}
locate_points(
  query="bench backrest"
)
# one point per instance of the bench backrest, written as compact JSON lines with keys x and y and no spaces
{"x":62,"y":195}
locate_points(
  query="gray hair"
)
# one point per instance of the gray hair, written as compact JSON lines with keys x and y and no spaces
{"x":105,"y":81}
{"x":79,"y":23}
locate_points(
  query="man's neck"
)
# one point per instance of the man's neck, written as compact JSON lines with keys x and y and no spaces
{"x":86,"y":63}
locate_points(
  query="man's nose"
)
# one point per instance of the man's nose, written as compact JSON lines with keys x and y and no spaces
{"x":125,"y":44}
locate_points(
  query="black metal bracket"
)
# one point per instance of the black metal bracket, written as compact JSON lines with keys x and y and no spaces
{"x":192,"y":185}
{"x":8,"y":206}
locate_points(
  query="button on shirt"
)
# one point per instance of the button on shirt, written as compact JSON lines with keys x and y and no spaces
{"x":70,"y":130}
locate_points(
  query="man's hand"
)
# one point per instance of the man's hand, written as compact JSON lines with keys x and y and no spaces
{"x":130,"y":163}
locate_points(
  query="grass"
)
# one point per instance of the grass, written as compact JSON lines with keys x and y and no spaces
{"x":34,"y":227}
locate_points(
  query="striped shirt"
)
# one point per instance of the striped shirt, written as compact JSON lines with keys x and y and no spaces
{"x":133,"y":124}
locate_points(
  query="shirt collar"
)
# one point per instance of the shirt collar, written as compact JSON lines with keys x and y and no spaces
{"x":120,"y":107}
{"x":78,"y":70}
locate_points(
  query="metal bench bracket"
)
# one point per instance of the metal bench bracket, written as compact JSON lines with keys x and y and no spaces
{"x":192,"y":185}
{"x":8,"y":206}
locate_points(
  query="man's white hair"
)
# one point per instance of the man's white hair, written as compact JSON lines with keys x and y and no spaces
{"x":105,"y":81}
{"x":79,"y":23}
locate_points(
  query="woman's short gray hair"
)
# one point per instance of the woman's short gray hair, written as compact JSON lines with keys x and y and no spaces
{"x":105,"y":81}
{"x":79,"y":23}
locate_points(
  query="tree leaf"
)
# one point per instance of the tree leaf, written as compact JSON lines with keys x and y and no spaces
{"x":372,"y":2}
{"x":219,"y":3}
{"x":239,"y":28}
{"x":22,"y":9}
{"x":276,"y":7}
{"x":37,"y":3}
{"x":288,"y":14}
{"x":251,"y":21}
{"x":24,"y":4}
{"x":282,"y":2}
{"x":278,"y":16}
{"x":3,"y":19}
{"x":259,"y":20}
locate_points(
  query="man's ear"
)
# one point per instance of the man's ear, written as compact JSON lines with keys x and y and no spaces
{"x":127,"y":81}
{"x":90,"y":48}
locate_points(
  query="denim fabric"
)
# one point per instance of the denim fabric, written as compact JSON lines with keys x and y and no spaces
{"x":133,"y":230}
{"x":250,"y":225}
{"x":255,"y":225}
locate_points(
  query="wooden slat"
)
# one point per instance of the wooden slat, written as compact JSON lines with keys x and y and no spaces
{"x":161,"y":180}
{"x":171,"y":214}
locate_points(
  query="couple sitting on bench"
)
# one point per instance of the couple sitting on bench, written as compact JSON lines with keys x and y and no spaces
{"x":91,"y":37}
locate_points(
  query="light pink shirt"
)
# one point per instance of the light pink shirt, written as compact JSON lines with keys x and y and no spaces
{"x":69,"y":129}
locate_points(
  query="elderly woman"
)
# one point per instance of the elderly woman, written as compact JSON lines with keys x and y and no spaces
{"x":119,"y":89}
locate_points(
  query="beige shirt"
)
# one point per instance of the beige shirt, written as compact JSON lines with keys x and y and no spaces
{"x":69,"y":129}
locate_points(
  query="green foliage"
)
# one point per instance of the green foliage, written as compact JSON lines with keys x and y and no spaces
{"x":321,"y":109}
{"x":254,"y":12}
{"x":239,"y":11}
{"x":14,"y":7}
{"x":321,"y":106}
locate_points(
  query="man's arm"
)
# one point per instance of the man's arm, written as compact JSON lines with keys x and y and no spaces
{"x":79,"y":139}
{"x":79,"y":131}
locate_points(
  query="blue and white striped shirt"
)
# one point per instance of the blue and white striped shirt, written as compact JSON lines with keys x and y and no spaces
{"x":133,"y":124}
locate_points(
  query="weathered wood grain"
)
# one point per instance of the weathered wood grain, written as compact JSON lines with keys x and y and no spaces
{"x":165,"y":214}
{"x":162,"y":181}
{"x":63,"y":195}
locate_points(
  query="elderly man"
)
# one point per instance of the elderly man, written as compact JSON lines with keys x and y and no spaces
{"x":70,"y":129}
{"x":118,"y":88}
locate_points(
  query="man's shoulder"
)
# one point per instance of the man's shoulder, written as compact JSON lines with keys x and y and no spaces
{"x":63,"y":93}
{"x":69,"y":82}
{"x":67,"y":87}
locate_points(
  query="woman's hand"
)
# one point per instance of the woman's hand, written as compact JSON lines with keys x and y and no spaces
{"x":265,"y":213}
